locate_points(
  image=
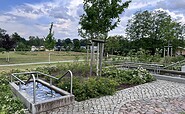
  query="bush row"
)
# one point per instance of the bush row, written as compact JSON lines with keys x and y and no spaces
{"x":89,"y":88}
{"x":136,"y":76}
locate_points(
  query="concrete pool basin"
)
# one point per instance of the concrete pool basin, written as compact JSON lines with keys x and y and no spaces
{"x":38,"y":95}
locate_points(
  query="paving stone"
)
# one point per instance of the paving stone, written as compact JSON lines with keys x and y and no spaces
{"x":149,"y":98}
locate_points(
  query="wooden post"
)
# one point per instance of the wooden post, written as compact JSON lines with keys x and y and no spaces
{"x":97,"y":60}
{"x":164,"y":51}
{"x":168,"y":53}
{"x":8,"y":56}
{"x":88,"y":54}
{"x":92,"y":58}
{"x":49,"y":58}
{"x":171,"y":51}
{"x":101,"y":57}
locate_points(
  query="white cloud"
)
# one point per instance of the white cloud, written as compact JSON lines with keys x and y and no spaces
{"x":139,"y":4}
{"x":34,"y":19}
{"x":6,"y":18}
{"x":179,"y":17}
{"x":74,"y":7}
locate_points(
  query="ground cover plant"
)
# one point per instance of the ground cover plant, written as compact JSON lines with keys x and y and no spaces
{"x":8,"y":103}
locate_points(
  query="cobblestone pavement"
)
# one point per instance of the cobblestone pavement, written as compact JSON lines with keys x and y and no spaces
{"x":116,"y":104}
{"x":155,"y":106}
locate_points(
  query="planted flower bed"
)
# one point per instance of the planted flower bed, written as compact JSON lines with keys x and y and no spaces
{"x":84,"y":87}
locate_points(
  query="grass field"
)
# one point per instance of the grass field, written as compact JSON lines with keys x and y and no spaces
{"x":33,"y":57}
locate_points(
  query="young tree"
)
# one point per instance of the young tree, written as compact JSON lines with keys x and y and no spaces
{"x":50,"y":40}
{"x":100,"y":17}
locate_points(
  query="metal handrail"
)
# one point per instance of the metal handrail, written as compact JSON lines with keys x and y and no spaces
{"x":69,"y":71}
{"x":71,"y":74}
{"x":143,"y":64}
{"x":178,"y":62}
{"x":34,"y":80}
{"x":21,"y":81}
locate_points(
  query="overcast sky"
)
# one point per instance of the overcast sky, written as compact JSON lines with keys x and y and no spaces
{"x":33,"y":17}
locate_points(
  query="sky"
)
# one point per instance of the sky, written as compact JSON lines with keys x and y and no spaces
{"x":33,"y":17}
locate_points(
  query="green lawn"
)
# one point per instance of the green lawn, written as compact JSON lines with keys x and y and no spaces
{"x":32,"y":57}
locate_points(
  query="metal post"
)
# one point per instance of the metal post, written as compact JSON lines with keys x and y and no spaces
{"x":92,"y":58}
{"x":37,"y":75}
{"x":71,"y":81}
{"x":34,"y":88}
{"x":19,"y":86}
{"x":50,"y":81}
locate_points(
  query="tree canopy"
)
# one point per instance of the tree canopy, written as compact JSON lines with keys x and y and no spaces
{"x":100,"y":17}
{"x":153,"y":30}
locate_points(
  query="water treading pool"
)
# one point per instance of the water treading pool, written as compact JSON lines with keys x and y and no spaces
{"x":42,"y":92}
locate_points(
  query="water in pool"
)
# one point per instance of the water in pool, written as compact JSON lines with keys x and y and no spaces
{"x":42,"y":92}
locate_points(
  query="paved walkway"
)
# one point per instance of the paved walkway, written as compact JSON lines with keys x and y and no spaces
{"x":126,"y":101}
{"x":38,"y":63}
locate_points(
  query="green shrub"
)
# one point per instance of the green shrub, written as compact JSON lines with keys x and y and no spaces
{"x":2,"y":49}
{"x":138,"y":76}
{"x":89,"y":88}
{"x":170,"y":60}
{"x":8,"y":103}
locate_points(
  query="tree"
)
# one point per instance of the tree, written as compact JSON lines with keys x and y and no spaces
{"x":35,"y":41}
{"x":50,"y":40}
{"x":152,"y":30}
{"x":112,"y":44}
{"x":100,"y":17}
{"x":7,"y":42}
{"x":2,"y":34}
{"x":20,"y":43}
{"x":16,"y":37}
{"x":59,"y":45}
{"x":67,"y":44}
{"x":76,"y":45}
{"x":117,"y":45}
{"x":83,"y":42}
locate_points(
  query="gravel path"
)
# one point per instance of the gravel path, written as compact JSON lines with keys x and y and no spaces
{"x":143,"y":97}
